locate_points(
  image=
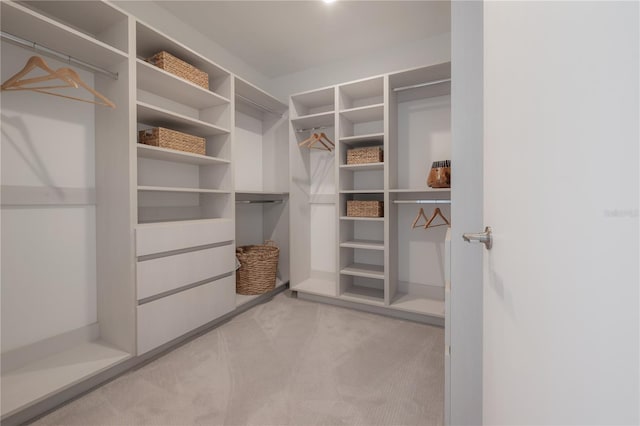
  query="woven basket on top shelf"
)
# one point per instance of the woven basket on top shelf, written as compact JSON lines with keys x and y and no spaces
{"x":357,"y":208}
{"x":370,"y":154}
{"x":258,"y":266}
{"x":180,"y":68}
{"x":167,"y":138}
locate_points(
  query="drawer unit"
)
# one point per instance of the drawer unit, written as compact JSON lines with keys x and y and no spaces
{"x":162,"y":237}
{"x":170,"y":317}
{"x":155,"y":276}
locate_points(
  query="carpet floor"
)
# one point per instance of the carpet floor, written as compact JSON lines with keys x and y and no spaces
{"x":284,"y":362}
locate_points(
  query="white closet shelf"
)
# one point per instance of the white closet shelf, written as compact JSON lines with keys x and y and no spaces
{"x":41,"y":379}
{"x":173,"y":189}
{"x":372,"y":219}
{"x":150,"y":41}
{"x":362,"y":191}
{"x":254,"y":94}
{"x":30,"y":25}
{"x":363,"y":244}
{"x":418,"y":304}
{"x":155,"y":116}
{"x":364,"y":270}
{"x":239,"y":192}
{"x":364,"y":114}
{"x":419,"y":191}
{"x":156,"y":153}
{"x":316,"y":286}
{"x":363,"y":89}
{"x":370,"y":296}
{"x":181,"y":223}
{"x":361,"y":167}
{"x":315,"y":98}
{"x":162,"y":83}
{"x":243,"y":299}
{"x":322,"y":119}
{"x":363,"y":140}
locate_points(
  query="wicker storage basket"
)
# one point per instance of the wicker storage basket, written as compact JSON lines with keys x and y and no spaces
{"x":357,"y":208}
{"x":258,"y":266}
{"x":371,"y":154}
{"x":175,"y":66}
{"x":166,"y":138}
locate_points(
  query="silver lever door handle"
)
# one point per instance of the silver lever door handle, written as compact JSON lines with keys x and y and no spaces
{"x":481,"y":237}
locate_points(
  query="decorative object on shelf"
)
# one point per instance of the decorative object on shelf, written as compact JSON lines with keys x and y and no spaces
{"x":358,"y":208}
{"x":440,"y":174}
{"x":171,"y":139}
{"x":61,"y":78}
{"x":180,"y":68}
{"x":370,"y":154}
{"x":311,"y":141}
{"x":258,"y":267}
{"x":428,"y":221}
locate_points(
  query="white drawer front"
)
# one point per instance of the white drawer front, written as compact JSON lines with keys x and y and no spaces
{"x":168,"y":318}
{"x":156,"y":276}
{"x":158,"y":238}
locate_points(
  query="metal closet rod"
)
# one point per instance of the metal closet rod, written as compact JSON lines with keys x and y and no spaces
{"x":415,"y":86}
{"x":422,"y":202}
{"x":258,"y":201}
{"x":59,"y":55}
{"x":262,"y":107}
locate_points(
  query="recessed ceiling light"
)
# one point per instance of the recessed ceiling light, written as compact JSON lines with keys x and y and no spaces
{"x":328,"y":1}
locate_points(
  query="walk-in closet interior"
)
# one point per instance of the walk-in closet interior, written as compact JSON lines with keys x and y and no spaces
{"x":115,"y":251}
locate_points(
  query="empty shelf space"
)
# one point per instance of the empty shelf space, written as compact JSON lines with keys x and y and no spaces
{"x":30,"y":25}
{"x":43,"y":378}
{"x":364,"y":114}
{"x":361,"y":294}
{"x":248,"y":92}
{"x":156,"y":153}
{"x":243,"y":299}
{"x":363,"y":244}
{"x":172,"y":189}
{"x":362,"y":191}
{"x":159,"y":117}
{"x":364,"y":270}
{"x":322,"y":119}
{"x":361,"y":167}
{"x":420,"y":190}
{"x":162,"y":83}
{"x":280,"y":194}
{"x":363,"y":140}
{"x":418,"y":304}
{"x":373,"y":219}
{"x":316,"y":286}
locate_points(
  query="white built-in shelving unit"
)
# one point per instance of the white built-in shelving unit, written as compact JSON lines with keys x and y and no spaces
{"x":381,"y":261}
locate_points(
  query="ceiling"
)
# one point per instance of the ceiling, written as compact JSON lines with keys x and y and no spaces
{"x":281,"y":37}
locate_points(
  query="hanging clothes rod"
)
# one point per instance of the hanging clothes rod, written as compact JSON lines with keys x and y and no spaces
{"x":58,"y":55}
{"x":415,"y":86}
{"x":422,"y":202}
{"x":311,"y":129}
{"x":262,"y":107}
{"x":259,"y":201}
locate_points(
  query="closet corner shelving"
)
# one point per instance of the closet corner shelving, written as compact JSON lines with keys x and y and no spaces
{"x":380,"y":261}
{"x":261,"y":175}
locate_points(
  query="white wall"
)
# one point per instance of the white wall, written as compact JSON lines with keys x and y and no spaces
{"x":423,"y":52}
{"x":159,"y":18}
{"x":48,"y":253}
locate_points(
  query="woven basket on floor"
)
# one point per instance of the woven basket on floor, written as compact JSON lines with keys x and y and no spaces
{"x":371,"y":154}
{"x":356,"y":208}
{"x":167,"y":138}
{"x":180,"y":68}
{"x":258,"y":266}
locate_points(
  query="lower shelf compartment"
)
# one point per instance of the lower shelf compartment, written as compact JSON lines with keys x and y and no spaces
{"x":368,"y":295}
{"x":418,"y":304}
{"x":38,"y":380}
{"x":243,"y":299}
{"x":316,"y":286}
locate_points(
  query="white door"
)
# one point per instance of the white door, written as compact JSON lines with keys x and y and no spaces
{"x":561,"y":136}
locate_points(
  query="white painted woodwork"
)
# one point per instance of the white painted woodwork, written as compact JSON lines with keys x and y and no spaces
{"x":165,"y":154}
{"x":159,"y":275}
{"x":168,"y":318}
{"x":321,"y":119}
{"x":558,"y":347}
{"x":27,"y":24}
{"x":160,"y":117}
{"x":162,"y":237}
{"x":364,"y":114}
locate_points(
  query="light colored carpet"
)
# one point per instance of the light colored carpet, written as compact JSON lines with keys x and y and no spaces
{"x":285,"y":362}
